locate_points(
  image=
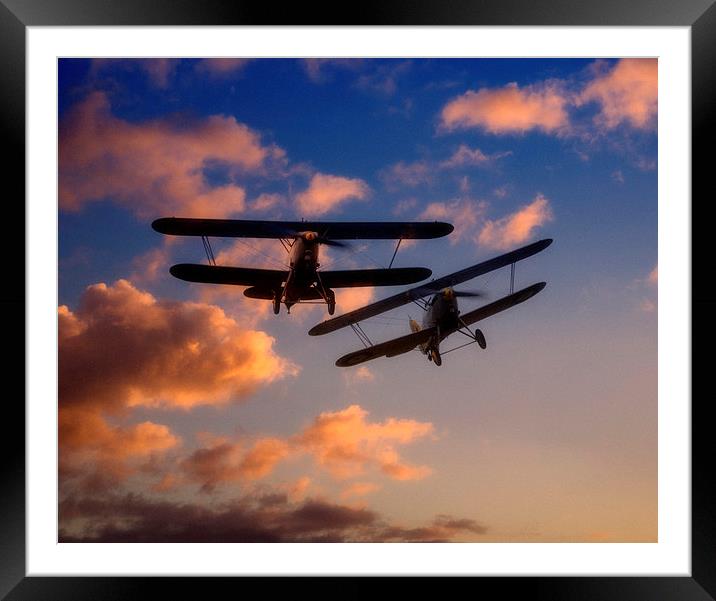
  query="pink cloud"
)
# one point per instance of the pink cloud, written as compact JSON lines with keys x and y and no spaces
{"x":653,"y":277}
{"x":517,"y":227}
{"x":222,"y":66}
{"x":627,"y":93}
{"x":509,"y":110}
{"x":463,"y":214}
{"x":153,"y":168}
{"x":326,"y":193}
{"x":407,"y":174}
{"x":465,"y":156}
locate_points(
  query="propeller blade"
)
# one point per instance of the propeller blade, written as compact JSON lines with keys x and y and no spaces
{"x":468,"y":293}
{"x":334,"y":243}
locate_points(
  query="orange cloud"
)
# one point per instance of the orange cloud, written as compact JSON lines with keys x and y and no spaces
{"x":225,"y":462}
{"x":94,"y":455}
{"x":326,"y":192}
{"x":517,"y":227}
{"x":346,"y":444}
{"x":343,"y":442}
{"x":153,"y":168}
{"x":359,"y":489}
{"x":654,"y":276}
{"x":627,"y":93}
{"x":463,"y":214}
{"x":348,"y":299}
{"x":361,"y":374}
{"x":509,"y":109}
{"x":122,"y":347}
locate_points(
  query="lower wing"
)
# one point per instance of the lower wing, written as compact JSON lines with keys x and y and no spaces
{"x":238,"y":276}
{"x":391,"y":348}
{"x":504,"y":303}
{"x":374,"y":277}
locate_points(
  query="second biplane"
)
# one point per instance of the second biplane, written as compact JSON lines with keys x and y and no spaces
{"x":442,"y":317}
{"x":301,"y":281}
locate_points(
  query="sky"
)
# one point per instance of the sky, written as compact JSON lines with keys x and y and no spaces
{"x":190,"y":413}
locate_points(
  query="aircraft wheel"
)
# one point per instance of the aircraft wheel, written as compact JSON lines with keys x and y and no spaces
{"x":331,"y":303}
{"x":480,"y":338}
{"x":276,"y":304}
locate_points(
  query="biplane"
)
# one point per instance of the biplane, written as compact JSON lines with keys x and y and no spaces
{"x":442,"y":316}
{"x":301,"y":281}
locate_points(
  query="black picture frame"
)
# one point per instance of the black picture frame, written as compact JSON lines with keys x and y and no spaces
{"x":17,"y":15}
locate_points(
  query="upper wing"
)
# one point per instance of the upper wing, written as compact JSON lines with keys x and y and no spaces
{"x":391,"y":348}
{"x":402,"y":298}
{"x":239,"y":276}
{"x":374,"y":277}
{"x":504,"y":303}
{"x":363,"y":230}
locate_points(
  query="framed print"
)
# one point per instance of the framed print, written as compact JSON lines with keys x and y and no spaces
{"x":179,"y":427}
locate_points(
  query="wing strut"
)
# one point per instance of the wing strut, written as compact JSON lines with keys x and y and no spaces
{"x":362,"y":336}
{"x":512,"y":278}
{"x":208,"y":250}
{"x":397,"y":246}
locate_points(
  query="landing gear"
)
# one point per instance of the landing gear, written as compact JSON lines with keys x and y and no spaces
{"x":434,"y":356}
{"x":276,"y":303}
{"x":480,"y":339}
{"x":331,"y":301}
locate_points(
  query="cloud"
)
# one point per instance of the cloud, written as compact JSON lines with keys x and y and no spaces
{"x":159,"y":71}
{"x":154,"y":168}
{"x":463,"y":213}
{"x":360,"y":375}
{"x":317,"y":69}
{"x":348,"y":299}
{"x":382,"y":79}
{"x":343,"y":443}
{"x":465,"y":156}
{"x":122,"y":348}
{"x":407,"y":174}
{"x":225,"y":462}
{"x":626,"y":93}
{"x":510,"y":109}
{"x":326,"y":193}
{"x":222,"y":66}
{"x":346,"y":444}
{"x":267,"y":518}
{"x":517,"y":227}
{"x":653,"y":277}
{"x":359,"y":489}
{"x":265,"y":202}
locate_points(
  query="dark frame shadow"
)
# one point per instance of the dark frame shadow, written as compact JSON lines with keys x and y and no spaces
{"x":16,"y":15}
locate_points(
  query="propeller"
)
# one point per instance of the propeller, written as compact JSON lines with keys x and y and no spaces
{"x":315,"y":237}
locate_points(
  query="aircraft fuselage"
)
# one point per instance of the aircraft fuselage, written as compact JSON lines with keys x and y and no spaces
{"x":303,"y":281}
